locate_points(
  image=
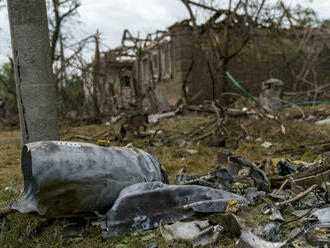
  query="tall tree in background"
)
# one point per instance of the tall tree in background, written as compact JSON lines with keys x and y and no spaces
{"x":35,"y":85}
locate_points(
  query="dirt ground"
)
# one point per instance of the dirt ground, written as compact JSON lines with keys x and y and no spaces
{"x":23,"y":230}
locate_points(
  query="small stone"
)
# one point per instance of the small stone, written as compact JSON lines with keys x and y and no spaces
{"x":311,"y":118}
{"x":267,"y":144}
{"x":153,"y":245}
{"x":323,"y":122}
{"x":184,"y":143}
{"x":191,"y":151}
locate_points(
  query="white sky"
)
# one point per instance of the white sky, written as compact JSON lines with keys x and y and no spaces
{"x":111,"y":17}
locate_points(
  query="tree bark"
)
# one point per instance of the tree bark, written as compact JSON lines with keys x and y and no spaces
{"x":35,"y":84}
{"x":96,"y":79}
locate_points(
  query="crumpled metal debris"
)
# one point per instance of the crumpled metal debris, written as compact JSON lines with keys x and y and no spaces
{"x":322,"y":215}
{"x":250,"y":240}
{"x":254,"y":196}
{"x":67,"y":178}
{"x":216,"y":179}
{"x":196,"y":233}
{"x":230,"y":222}
{"x":285,"y":167}
{"x":318,"y":233}
{"x":306,"y":175}
{"x":257,"y":175}
{"x":154,"y":118}
{"x":270,"y":209}
{"x":267,"y":144}
{"x":270,"y":94}
{"x":271,"y":232}
{"x":141,"y":206}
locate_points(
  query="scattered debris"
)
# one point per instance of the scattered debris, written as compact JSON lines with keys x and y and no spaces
{"x":137,"y":198}
{"x":322,"y":215}
{"x":297,"y":197}
{"x":271,"y":90}
{"x":271,"y":209}
{"x":218,"y":179}
{"x":230,"y":222}
{"x":156,"y":117}
{"x":295,"y":233}
{"x":257,"y":176}
{"x":285,"y":167}
{"x":196,"y":233}
{"x":271,"y":232}
{"x":267,"y":144}
{"x":250,"y":240}
{"x":323,"y":122}
{"x":254,"y":196}
{"x":191,"y":151}
{"x":318,"y":234}
{"x":141,"y":206}
{"x":223,"y":156}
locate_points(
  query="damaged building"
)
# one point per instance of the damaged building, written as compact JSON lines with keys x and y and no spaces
{"x":172,"y":67}
{"x":166,"y":71}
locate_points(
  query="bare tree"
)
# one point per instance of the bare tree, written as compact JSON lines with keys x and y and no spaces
{"x":96,"y":78}
{"x":61,"y":11}
{"x":229,"y":30}
{"x":34,"y":79}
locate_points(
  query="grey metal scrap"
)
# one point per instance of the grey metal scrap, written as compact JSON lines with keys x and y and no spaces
{"x":66,"y":178}
{"x":141,"y":206}
{"x":196,"y":233}
{"x":250,"y":240}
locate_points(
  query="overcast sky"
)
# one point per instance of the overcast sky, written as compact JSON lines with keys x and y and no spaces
{"x":111,"y":17}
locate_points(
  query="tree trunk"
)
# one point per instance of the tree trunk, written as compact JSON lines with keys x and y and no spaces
{"x":96,"y":79}
{"x":35,"y":84}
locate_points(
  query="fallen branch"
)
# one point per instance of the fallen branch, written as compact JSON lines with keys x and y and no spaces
{"x":82,"y":137}
{"x":297,"y":197}
{"x":282,"y":186}
{"x":300,"y":147}
{"x":203,"y":136}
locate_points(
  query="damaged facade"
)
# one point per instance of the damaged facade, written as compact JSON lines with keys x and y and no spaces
{"x":165,"y":72}
{"x":174,"y":68}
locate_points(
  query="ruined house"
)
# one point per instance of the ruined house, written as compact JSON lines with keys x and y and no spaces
{"x":166,"y":71}
{"x":174,"y":68}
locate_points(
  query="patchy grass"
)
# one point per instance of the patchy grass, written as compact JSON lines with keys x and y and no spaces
{"x":22,"y":230}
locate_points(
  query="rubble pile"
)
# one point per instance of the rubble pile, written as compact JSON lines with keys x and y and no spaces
{"x":139,"y":198}
{"x":274,"y":188}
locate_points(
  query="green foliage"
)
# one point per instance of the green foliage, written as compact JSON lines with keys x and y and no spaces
{"x":325,"y":24}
